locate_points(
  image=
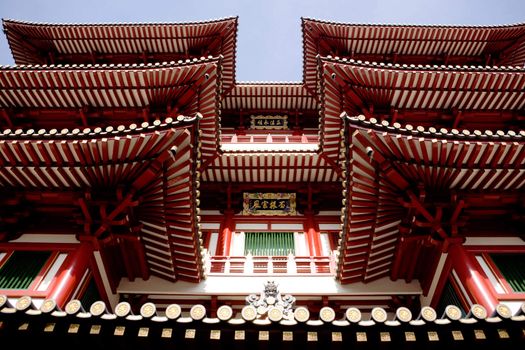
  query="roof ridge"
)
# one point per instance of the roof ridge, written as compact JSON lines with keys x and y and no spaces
{"x":98,"y":132}
{"x":65,"y":67}
{"x":269,"y":82}
{"x":449,"y":67}
{"x":112,"y":24}
{"x":432,"y":132}
{"x":400,"y":25}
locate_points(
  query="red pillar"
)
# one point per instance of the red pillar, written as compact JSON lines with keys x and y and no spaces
{"x":312,"y":235}
{"x":71,"y":275}
{"x":472,"y":277}
{"x":225,"y":235}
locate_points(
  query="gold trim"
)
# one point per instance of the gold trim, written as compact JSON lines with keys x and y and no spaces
{"x":73,"y":306}
{"x":215,"y":334}
{"x":273,"y":204}
{"x":264,"y":335}
{"x":301,"y":314}
{"x":198,"y":312}
{"x":479,"y":334}
{"x":287,"y":336}
{"x":457,"y":335}
{"x":503,"y":334}
{"x":311,"y":336}
{"x":50,"y":327}
{"x":361,"y":336}
{"x":269,"y":122}
{"x":239,"y":335}
{"x":337,"y":336}
{"x":385,"y":336}
{"x":95,"y":329}
{"x":353,"y":314}
{"x":189,"y":333}
{"x":224,"y":313}
{"x":148,"y":310}
{"x":327,"y":314}
{"x":143,"y":332}
{"x":432,"y":336}
{"x":173,"y":311}
{"x":410,"y":336}
{"x":166,"y":332}
{"x":119,"y":330}
{"x":23,"y":303}
{"x":48,"y":306}
{"x":503,"y":311}
{"x":97,"y":308}
{"x":73,"y":328}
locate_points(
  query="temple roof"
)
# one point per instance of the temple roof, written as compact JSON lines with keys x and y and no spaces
{"x":152,"y":164}
{"x":428,"y":87}
{"x":270,"y":167}
{"x":148,"y":328}
{"x":501,"y":45}
{"x":41,"y":43}
{"x":369,"y":88}
{"x":389,"y":167}
{"x":187,"y":87}
{"x":271,"y":96}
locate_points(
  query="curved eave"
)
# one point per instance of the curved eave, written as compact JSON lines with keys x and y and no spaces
{"x":385,"y":39}
{"x":270,"y":167}
{"x":158,"y":161}
{"x":30,"y":327}
{"x":385,"y":161}
{"x":72,"y":159}
{"x":403,"y":87}
{"x":420,"y":87}
{"x":269,"y":95}
{"x":25,"y":39}
{"x":191,"y":86}
{"x":76,"y":86}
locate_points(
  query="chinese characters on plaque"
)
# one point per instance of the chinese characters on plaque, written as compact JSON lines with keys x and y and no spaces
{"x":269,"y":204}
{"x":269,"y":122}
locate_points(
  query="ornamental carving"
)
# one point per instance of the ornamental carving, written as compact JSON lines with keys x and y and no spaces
{"x":271,"y":299}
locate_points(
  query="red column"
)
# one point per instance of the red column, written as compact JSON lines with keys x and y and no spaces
{"x":312,"y":235}
{"x":472,"y":277}
{"x":225,"y":235}
{"x":71,"y":275}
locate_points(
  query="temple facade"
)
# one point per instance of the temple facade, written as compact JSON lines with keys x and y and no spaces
{"x":147,"y":197}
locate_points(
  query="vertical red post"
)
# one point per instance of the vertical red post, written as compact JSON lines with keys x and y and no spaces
{"x":311,"y":229}
{"x":226,"y":233}
{"x":312,"y":235}
{"x":472,"y":277}
{"x":71,"y":275}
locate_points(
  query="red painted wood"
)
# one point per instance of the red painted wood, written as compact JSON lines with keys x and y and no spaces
{"x":71,"y":275}
{"x":472,"y":277}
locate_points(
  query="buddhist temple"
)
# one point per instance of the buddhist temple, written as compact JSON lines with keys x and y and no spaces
{"x":148,"y":199}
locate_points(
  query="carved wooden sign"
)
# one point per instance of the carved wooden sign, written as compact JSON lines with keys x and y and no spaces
{"x":269,"y":204}
{"x":269,"y":122}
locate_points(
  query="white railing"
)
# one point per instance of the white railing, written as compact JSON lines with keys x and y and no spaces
{"x":264,"y":265}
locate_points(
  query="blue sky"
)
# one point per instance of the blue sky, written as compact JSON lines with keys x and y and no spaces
{"x":269,"y":38}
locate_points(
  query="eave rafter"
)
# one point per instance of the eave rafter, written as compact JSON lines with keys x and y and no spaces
{"x":409,"y":44}
{"x":166,"y":90}
{"x":444,"y":98}
{"x":43,"y":43}
{"x":406,"y":192}
{"x":154,"y":202}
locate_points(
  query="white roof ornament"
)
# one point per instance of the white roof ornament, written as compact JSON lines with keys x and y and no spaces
{"x":271,"y":299}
